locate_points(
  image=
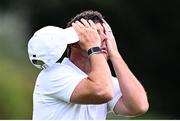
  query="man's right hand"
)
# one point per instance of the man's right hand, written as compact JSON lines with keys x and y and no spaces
{"x":87,"y":33}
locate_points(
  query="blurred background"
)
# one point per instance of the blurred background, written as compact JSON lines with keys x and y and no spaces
{"x":147,"y":34}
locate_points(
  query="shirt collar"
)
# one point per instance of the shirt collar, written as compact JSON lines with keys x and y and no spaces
{"x":67,"y":61}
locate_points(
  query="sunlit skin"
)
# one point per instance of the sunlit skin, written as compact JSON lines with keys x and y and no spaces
{"x":134,"y":100}
{"x":102,"y":34}
{"x":82,"y":54}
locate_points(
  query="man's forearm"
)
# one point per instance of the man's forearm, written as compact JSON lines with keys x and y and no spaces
{"x":133,"y":93}
{"x":100,"y":71}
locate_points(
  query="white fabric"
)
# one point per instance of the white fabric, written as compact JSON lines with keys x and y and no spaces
{"x":49,"y":43}
{"x":53,"y":89}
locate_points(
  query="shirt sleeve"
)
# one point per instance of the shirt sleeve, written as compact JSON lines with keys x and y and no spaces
{"x":117,"y":95}
{"x":61,"y":83}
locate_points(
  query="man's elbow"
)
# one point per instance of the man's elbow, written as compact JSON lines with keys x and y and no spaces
{"x":105,"y":94}
{"x":141,"y":109}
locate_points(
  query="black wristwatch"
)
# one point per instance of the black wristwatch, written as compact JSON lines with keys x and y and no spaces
{"x":94,"y":50}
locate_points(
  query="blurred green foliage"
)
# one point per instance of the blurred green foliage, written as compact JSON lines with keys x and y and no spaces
{"x":16,"y":91}
{"x":147,"y":34}
{"x":16,"y":73}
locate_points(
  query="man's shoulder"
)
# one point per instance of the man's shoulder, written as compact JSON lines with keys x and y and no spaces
{"x":56,"y":74}
{"x":57,"y":67}
{"x":57,"y":70}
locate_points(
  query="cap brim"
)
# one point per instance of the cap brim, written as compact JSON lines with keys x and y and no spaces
{"x":71,"y":35}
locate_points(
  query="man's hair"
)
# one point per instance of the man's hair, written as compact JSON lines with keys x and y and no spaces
{"x":95,"y":16}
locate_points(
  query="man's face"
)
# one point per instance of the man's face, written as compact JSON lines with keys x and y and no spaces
{"x":103,"y":36}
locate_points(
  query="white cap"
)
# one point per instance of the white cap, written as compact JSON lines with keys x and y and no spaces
{"x":48,"y":44}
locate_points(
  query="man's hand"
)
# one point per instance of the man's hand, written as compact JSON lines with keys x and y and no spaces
{"x":111,"y":42}
{"x":87,"y":33}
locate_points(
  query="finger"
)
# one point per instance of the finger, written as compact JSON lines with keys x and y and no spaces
{"x":77,"y":29}
{"x":107,"y":29}
{"x":78,"y":23}
{"x":86,"y":24}
{"x":106,"y":25}
{"x":104,"y":21}
{"x":92,"y":24}
{"x":75,"y":26}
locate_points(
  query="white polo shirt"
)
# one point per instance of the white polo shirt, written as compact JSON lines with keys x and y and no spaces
{"x":52,"y":92}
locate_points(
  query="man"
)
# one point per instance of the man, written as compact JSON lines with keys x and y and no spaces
{"x":82,"y":87}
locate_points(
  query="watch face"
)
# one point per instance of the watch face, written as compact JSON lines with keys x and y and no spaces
{"x":94,"y":50}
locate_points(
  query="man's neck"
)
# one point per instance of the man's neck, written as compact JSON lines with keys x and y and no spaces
{"x":81,"y":62}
